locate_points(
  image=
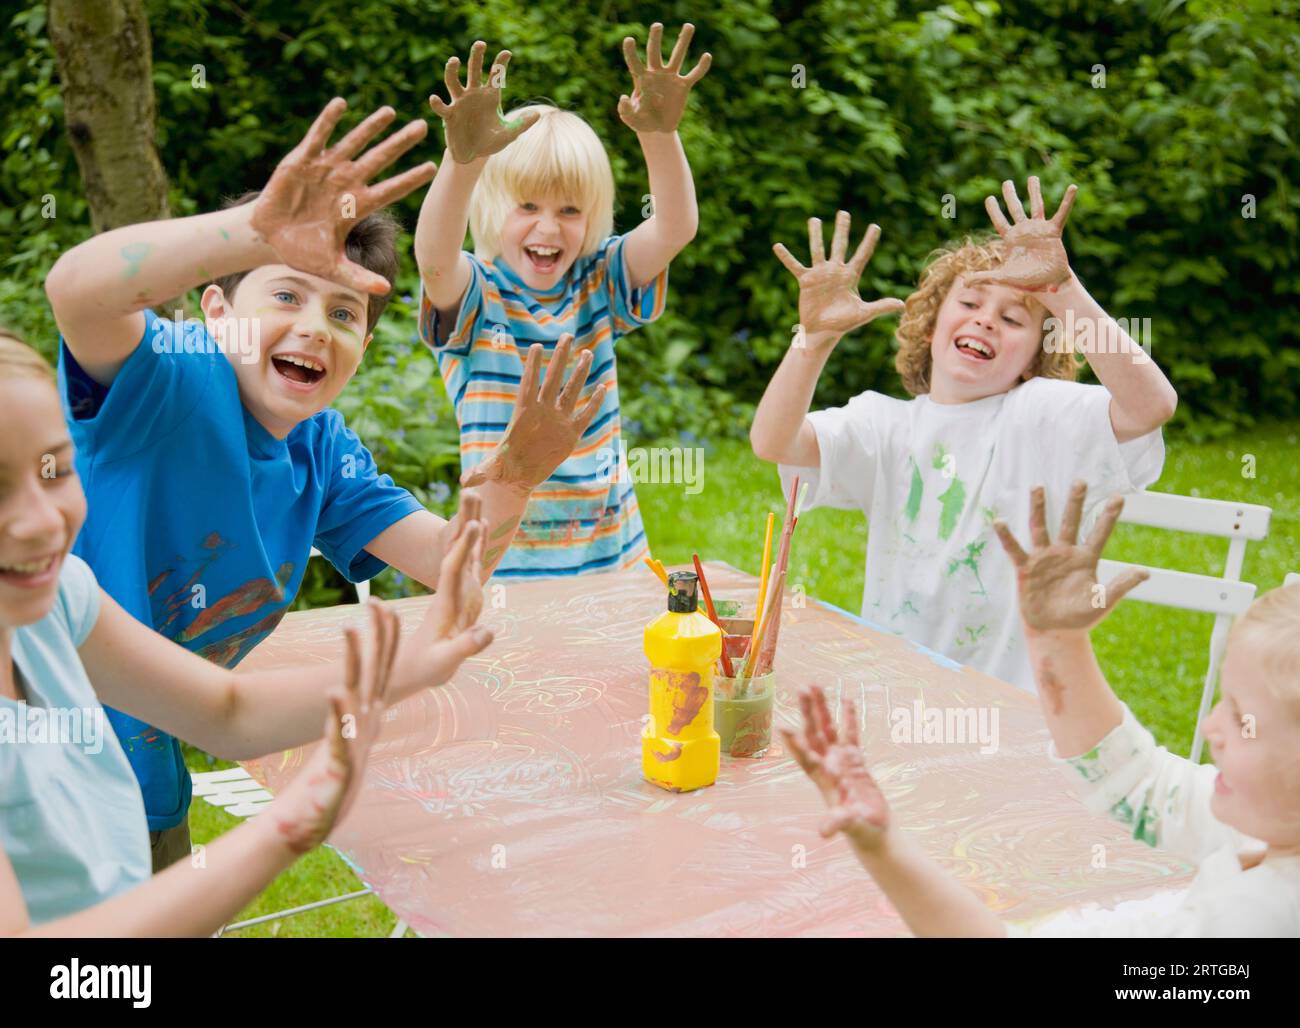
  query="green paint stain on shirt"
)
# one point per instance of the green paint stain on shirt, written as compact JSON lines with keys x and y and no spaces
{"x":953,"y":500}
{"x":974,"y":551}
{"x":913,"y":507}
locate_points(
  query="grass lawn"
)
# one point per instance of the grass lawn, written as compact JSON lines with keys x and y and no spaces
{"x":1154,"y":657}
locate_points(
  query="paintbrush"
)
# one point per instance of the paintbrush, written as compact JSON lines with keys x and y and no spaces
{"x":727,"y":669}
{"x":768,"y":654}
{"x":766,"y":564}
{"x":762,"y":630}
{"x":657,"y":568}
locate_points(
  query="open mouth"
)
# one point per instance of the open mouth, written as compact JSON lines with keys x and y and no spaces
{"x":973,"y":348}
{"x":30,"y":573}
{"x":544,"y":259}
{"x":301,"y":370}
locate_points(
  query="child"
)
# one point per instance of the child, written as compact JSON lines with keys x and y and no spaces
{"x":209,"y":457}
{"x":74,"y":856}
{"x":994,"y":411}
{"x":1240,"y":822}
{"x":540,"y":207}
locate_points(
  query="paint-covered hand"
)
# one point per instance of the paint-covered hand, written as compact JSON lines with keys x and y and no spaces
{"x":321,"y":794}
{"x":1037,"y":260}
{"x":546,"y":424}
{"x":473,"y":121}
{"x":836,"y":766}
{"x":1059,"y":590}
{"x":316,"y":195}
{"x":659,"y":93}
{"x":456,"y":606}
{"x":829,"y":304}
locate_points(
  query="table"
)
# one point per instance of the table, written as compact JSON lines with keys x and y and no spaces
{"x":510,"y":802}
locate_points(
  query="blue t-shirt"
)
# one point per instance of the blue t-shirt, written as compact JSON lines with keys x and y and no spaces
{"x":71,"y":819}
{"x":201,"y":522}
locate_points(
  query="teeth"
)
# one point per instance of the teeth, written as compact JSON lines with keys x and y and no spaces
{"x":975,"y":344}
{"x":544,"y":251}
{"x":302,"y":362}
{"x":30,"y":567}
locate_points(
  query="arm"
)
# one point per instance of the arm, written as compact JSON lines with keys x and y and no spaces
{"x":1142,"y":397}
{"x":242,"y":715}
{"x":191,"y":901}
{"x":99,"y":289}
{"x":654,"y":111}
{"x":475,"y":130}
{"x":1163,"y":798}
{"x":829,"y":306}
{"x":931,"y":901}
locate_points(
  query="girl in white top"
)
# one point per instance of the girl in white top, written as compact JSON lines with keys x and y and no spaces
{"x":1238,"y":819}
{"x":74,"y":850}
{"x":985,"y":351}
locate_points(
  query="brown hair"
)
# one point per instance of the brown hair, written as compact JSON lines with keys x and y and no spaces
{"x":372,"y":243}
{"x":18,"y":360}
{"x":921,"y":311}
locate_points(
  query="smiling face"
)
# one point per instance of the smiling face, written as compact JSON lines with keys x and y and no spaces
{"x":311,"y":337}
{"x":542,"y":237}
{"x":985,"y":338}
{"x":42,"y":506}
{"x":1254,"y":738}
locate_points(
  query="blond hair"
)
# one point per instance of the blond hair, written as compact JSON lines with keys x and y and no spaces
{"x":921,"y":312}
{"x":559,"y":156}
{"x":18,"y":360}
{"x":1270,"y":629}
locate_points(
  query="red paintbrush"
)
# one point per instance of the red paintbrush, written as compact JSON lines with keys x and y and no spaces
{"x":727,"y":669}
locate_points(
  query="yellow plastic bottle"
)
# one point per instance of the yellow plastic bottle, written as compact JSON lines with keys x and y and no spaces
{"x":679,"y":748}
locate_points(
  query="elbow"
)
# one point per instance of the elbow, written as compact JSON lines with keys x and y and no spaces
{"x":59,"y":281}
{"x":761,"y":445}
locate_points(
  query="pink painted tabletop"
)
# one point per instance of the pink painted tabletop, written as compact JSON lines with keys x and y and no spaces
{"x":510,"y":801}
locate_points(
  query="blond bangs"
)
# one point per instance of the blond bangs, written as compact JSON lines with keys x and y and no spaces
{"x":561,"y":157}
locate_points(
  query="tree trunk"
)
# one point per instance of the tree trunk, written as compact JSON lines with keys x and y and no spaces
{"x":105,"y":61}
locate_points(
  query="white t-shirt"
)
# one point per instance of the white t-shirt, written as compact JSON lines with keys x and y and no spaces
{"x":933,"y":477}
{"x":1164,"y":800}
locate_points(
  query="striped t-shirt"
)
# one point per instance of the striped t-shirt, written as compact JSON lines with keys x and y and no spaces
{"x":584,"y":518}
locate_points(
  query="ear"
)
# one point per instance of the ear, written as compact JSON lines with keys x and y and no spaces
{"x":366,"y":345}
{"x":214,"y":304}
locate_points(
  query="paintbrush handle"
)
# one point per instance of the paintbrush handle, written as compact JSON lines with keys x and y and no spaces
{"x":713,"y":613}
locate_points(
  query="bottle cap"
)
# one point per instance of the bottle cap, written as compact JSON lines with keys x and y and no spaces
{"x":683,"y":590}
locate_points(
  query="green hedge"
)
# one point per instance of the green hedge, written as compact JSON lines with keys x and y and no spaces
{"x":903,"y":104}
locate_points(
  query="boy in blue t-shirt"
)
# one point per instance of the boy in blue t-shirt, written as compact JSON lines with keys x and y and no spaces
{"x":209,"y":457}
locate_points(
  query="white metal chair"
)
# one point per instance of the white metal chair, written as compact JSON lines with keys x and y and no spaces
{"x":1292,"y":578}
{"x":236,"y":792}
{"x":1225,"y":597}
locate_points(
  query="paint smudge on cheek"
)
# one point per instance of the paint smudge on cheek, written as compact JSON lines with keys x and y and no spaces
{"x":688,"y":699}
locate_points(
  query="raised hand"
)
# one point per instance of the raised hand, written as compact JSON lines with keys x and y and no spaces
{"x":316,"y":195}
{"x":659,"y":93}
{"x":459,"y":600}
{"x":829,"y":304}
{"x":1037,"y":260}
{"x":546,"y":424}
{"x":473,"y":121}
{"x":836,"y":766}
{"x":1058,"y":580}
{"x":320,"y":796}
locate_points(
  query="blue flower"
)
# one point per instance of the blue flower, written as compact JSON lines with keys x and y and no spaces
{"x":440,"y":491}
{"x":406,"y":298}
{"x":688,"y":437}
{"x":392,"y":361}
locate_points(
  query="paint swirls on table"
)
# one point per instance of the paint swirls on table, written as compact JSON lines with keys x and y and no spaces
{"x":510,"y":801}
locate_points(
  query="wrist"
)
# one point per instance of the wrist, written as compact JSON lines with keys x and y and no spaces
{"x":1065,"y":295}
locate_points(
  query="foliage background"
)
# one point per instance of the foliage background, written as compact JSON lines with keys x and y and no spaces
{"x":904,"y":104}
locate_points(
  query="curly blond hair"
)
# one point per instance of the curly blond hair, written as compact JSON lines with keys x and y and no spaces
{"x":18,"y":360}
{"x":1270,"y":628}
{"x":921,"y":311}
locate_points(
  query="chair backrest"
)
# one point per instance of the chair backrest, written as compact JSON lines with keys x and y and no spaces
{"x":362,"y":588}
{"x":1225,"y":597}
{"x":1292,"y":578}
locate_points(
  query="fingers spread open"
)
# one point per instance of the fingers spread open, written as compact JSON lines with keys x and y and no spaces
{"x":573,"y":388}
{"x":849,"y":722}
{"x":451,"y":76}
{"x":532,"y":371}
{"x":319,"y":133}
{"x":393,"y":189}
{"x":701,"y":69}
{"x":590,"y":409}
{"x":840,"y":237}
{"x":474,"y":73}
{"x":1123,"y":584}
{"x":355,"y":141}
{"x":812,"y":727}
{"x":1012,"y":199}
{"x":375,"y":160}
{"x":555,"y":370}
{"x":632,"y":58}
{"x":1062,"y":214}
{"x":1036,"y":209}
{"x":683,"y":43}
{"x":816,"y":245}
{"x":654,"y":52}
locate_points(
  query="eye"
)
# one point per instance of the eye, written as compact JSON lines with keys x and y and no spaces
{"x":347,"y":315}
{"x":1011,"y":321}
{"x":529,"y":207}
{"x":968,"y":305}
{"x":570,"y":211}
{"x":285,"y":296}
